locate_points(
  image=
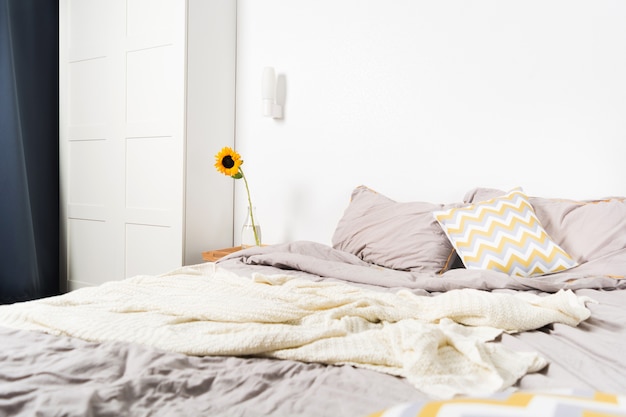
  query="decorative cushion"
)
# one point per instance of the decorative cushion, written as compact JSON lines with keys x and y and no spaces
{"x":402,"y":236}
{"x":518,"y":404}
{"x":503,"y":234}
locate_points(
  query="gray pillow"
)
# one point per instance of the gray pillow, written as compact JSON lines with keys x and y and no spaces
{"x":586,"y":230}
{"x":402,"y":236}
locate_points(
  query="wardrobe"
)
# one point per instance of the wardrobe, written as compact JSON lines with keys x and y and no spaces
{"x":147,"y":97}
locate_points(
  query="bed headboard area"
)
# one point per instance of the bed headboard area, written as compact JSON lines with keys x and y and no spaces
{"x":424,"y":101}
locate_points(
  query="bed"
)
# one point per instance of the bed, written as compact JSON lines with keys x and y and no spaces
{"x":409,"y":311}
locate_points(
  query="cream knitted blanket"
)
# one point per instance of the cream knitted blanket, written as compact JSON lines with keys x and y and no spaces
{"x":441,"y":344}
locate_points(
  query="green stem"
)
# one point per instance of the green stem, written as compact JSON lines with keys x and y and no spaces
{"x":256,"y":236}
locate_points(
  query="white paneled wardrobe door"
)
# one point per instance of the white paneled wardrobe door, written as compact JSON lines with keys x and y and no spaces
{"x":154,"y":136}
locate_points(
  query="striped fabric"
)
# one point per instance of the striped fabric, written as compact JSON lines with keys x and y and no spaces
{"x":519,"y":404}
{"x":503,"y":234}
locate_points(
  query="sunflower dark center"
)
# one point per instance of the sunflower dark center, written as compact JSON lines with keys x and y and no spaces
{"x":228,"y":162}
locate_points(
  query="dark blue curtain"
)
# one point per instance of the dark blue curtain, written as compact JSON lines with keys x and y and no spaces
{"x":29,"y":149}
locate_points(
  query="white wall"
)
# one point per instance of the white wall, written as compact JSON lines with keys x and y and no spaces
{"x":424,"y":100}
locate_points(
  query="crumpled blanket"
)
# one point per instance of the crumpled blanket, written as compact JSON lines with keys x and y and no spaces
{"x":441,"y":344}
{"x":319,"y":260}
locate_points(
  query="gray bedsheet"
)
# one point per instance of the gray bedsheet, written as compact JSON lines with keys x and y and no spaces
{"x":49,"y":375}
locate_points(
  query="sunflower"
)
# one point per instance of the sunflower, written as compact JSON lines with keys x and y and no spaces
{"x":227,"y":161}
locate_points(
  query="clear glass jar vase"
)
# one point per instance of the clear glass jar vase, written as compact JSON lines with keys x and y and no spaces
{"x":248,"y":237}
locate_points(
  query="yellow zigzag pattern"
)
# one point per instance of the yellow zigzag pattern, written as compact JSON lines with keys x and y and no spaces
{"x":465,"y":241}
{"x":479,"y":214}
{"x":503,"y":234}
{"x":519,"y":404}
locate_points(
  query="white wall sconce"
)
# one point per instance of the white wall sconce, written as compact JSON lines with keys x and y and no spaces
{"x":270,"y":106}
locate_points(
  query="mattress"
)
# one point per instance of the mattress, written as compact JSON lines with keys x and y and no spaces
{"x":45,"y":370}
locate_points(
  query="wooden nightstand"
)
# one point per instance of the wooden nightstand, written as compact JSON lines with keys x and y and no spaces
{"x":214,"y":255}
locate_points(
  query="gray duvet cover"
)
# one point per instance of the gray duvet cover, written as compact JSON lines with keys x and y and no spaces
{"x":49,"y":375}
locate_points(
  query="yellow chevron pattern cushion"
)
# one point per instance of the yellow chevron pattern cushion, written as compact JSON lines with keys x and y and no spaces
{"x":518,"y":404}
{"x":503,"y":234}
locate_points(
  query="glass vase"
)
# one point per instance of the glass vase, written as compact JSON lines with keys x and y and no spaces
{"x":247,"y":231}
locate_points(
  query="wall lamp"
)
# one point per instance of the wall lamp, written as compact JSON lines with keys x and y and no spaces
{"x":270,"y":107}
